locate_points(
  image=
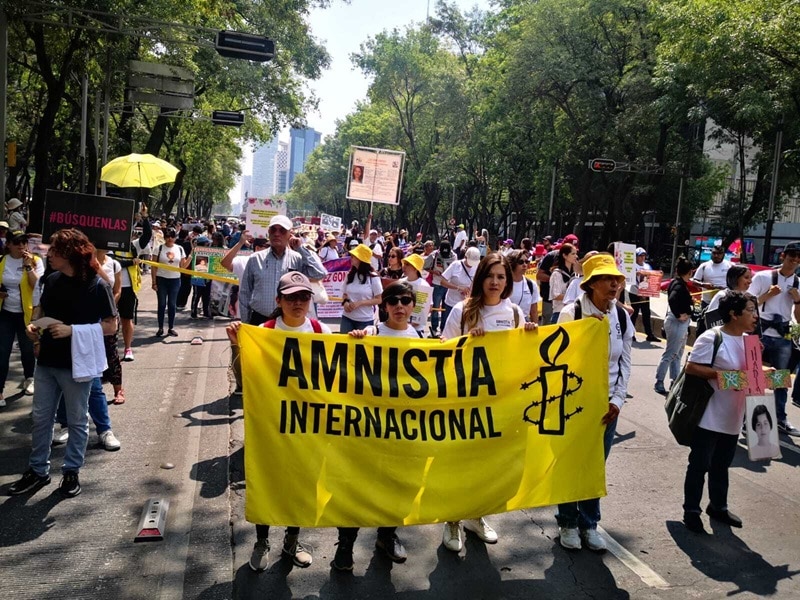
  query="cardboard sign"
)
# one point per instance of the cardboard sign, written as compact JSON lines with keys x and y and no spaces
{"x":258,"y":212}
{"x":375,"y":175}
{"x":330,"y":222}
{"x":651,"y":286}
{"x":756,"y":382}
{"x":778,"y":379}
{"x":107,"y":221}
{"x":625,"y":257}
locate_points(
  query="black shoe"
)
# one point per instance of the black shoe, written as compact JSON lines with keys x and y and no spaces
{"x":159,"y":333}
{"x":70,"y":486}
{"x":652,"y":338}
{"x":660,"y":389}
{"x":172,"y":333}
{"x":723,"y":516}
{"x":393,"y":547}
{"x":193,"y":316}
{"x":30,"y":482}
{"x":693,"y":522}
{"x":343,"y":560}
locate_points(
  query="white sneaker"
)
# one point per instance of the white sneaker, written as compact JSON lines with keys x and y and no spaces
{"x":2,"y":401}
{"x":109,"y":441}
{"x":570,"y":538}
{"x":128,"y":355}
{"x":482,"y":529}
{"x":259,"y":558}
{"x":60,"y":437}
{"x":27,"y":387}
{"x":593,"y":540}
{"x":451,"y":538}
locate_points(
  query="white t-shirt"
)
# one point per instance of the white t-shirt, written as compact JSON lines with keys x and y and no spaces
{"x":781,"y":304}
{"x":558,"y":287}
{"x":574,"y":291}
{"x":238,"y":264}
{"x":172,"y":257}
{"x":139,"y":251}
{"x":492,"y":318}
{"x":458,"y":274}
{"x":710,"y":272}
{"x":13,"y":272}
{"x":111,"y":267}
{"x":306,"y":327}
{"x":725,"y":409}
{"x":424,"y":293}
{"x":362,"y":291}
{"x":522,"y":297}
{"x":327,"y":253}
{"x":384,"y":330}
{"x":377,"y":254}
{"x":460,"y":241}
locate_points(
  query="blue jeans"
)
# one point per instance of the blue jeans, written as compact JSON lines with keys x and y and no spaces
{"x":12,"y":325}
{"x":167,"y":293}
{"x":98,"y":408}
{"x":585,"y":514}
{"x":50,"y":383}
{"x":347,"y":324}
{"x":439,"y":292}
{"x":677,"y":332}
{"x":711,"y":453}
{"x":778,"y":352}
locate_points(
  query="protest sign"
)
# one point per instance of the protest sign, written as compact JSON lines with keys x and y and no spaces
{"x":375,"y":175}
{"x":209,"y":260}
{"x":258,"y":212}
{"x":334,"y":286}
{"x":756,"y":382}
{"x":625,"y":257}
{"x":329,"y":222}
{"x":107,"y":221}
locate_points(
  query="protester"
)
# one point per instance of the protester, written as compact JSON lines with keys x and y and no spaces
{"x":639,"y":302}
{"x":328,"y":250}
{"x":292,"y":302}
{"x":76,"y":296}
{"x":259,"y":282}
{"x":525,"y":293}
{"x":710,"y":275}
{"x":487,"y":308}
{"x":423,"y":292}
{"x":436,"y":263}
{"x":676,"y":325}
{"x":601,"y":283}
{"x":458,"y":278}
{"x":186,"y":241}
{"x":460,"y":242}
{"x":110,"y":270}
{"x":361,"y":292}
{"x":16,"y":220}
{"x":394,"y":264}
{"x":561,"y":275}
{"x":398,"y":301}
{"x":201,"y":286}
{"x":376,"y":244}
{"x":714,"y":441}
{"x":19,"y":293}
{"x":776,"y":291}
{"x":167,"y":282}
{"x":483,"y":242}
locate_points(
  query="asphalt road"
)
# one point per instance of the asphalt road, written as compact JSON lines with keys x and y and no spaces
{"x":178,"y":413}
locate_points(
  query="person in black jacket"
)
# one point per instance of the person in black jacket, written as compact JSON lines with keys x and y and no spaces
{"x":676,"y":325}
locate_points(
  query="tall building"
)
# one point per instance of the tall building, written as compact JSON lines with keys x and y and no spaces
{"x":263,"y":182}
{"x":247,"y":183}
{"x":303,"y":142}
{"x":282,"y":168}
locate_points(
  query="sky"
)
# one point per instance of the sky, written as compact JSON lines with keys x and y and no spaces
{"x":342,"y":28}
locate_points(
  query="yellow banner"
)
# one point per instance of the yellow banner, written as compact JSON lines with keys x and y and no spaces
{"x":391,"y":431}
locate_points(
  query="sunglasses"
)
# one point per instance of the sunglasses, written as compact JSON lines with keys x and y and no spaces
{"x":395,"y":300}
{"x":298,"y":297}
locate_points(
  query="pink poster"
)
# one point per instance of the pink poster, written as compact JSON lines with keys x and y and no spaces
{"x":757,"y":383}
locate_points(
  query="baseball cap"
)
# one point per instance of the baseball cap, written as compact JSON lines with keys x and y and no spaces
{"x":571,"y":239}
{"x":640,"y":251}
{"x":793,"y":247}
{"x":292,"y":282}
{"x":281,"y":221}
{"x":373,"y":232}
{"x":472,"y":256}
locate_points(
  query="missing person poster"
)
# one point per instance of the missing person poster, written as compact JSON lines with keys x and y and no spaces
{"x":625,"y":257}
{"x":375,"y":175}
{"x":107,"y":221}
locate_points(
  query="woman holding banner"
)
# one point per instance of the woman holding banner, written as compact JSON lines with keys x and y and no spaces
{"x":362,"y":291}
{"x":398,"y":300}
{"x":601,"y":283}
{"x":487,"y":308}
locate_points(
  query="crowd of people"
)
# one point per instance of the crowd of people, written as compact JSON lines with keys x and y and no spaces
{"x":397,"y":285}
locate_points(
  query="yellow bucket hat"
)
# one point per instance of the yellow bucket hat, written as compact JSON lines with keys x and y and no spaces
{"x":415,"y":260}
{"x":599,"y":264}
{"x":362,"y":253}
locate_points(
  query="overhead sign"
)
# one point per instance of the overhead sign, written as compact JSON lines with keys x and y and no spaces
{"x":375,"y":175}
{"x":106,"y":221}
{"x":602,"y":165}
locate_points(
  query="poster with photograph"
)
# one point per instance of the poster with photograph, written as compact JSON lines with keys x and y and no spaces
{"x":375,"y":175}
{"x":650,"y":287}
{"x":258,"y":212}
{"x":209,"y":260}
{"x":761,"y":423}
{"x":625,"y":257}
{"x":329,"y":222}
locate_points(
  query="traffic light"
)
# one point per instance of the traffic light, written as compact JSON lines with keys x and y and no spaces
{"x":602,"y":165}
{"x":11,"y":154}
{"x":227,"y":117}
{"x":233,"y":44}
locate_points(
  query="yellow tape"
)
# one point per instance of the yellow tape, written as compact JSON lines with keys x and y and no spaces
{"x":232,"y":279}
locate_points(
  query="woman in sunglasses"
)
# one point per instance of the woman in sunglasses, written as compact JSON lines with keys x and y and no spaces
{"x":166,"y":282}
{"x":488,"y":308}
{"x":398,"y":300}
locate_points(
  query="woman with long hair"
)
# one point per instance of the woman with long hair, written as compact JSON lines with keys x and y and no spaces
{"x":560,"y":277}
{"x":81,"y":304}
{"x":525,"y":293}
{"x":394,"y":264}
{"x":487,"y":308}
{"x":676,"y":325}
{"x":362,"y":291}
{"x":167,"y":283}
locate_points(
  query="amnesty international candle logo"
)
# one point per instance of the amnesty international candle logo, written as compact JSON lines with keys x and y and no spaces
{"x":556,"y":383}
{"x":385,"y":431}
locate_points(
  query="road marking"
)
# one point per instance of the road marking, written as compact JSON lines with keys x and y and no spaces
{"x":645,"y":573}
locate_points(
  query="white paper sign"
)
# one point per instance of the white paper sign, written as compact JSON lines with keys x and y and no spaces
{"x":625,"y":257}
{"x":761,"y":423}
{"x":258,"y":212}
{"x":375,"y":175}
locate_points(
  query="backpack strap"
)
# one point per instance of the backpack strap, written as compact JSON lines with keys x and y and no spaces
{"x":622,"y":318}
{"x":516,"y":316}
{"x":270,"y":324}
{"x":530,"y":286}
{"x":578,"y":309}
{"x":316,"y":326}
{"x":717,"y":344}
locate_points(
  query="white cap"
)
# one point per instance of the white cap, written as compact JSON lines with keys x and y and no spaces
{"x":281,"y":221}
{"x":472,"y":255}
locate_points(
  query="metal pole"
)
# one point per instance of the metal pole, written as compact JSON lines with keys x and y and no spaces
{"x":677,"y":227}
{"x":106,"y":117}
{"x":96,"y":136}
{"x":453,"y":204}
{"x":3,"y":93}
{"x":84,"y":127}
{"x":765,"y":255}
{"x":552,"y":194}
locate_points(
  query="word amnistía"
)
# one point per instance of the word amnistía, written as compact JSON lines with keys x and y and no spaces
{"x":379,"y":371}
{"x":298,"y":417}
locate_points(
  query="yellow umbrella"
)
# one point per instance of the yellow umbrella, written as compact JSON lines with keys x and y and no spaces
{"x":138,"y":170}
